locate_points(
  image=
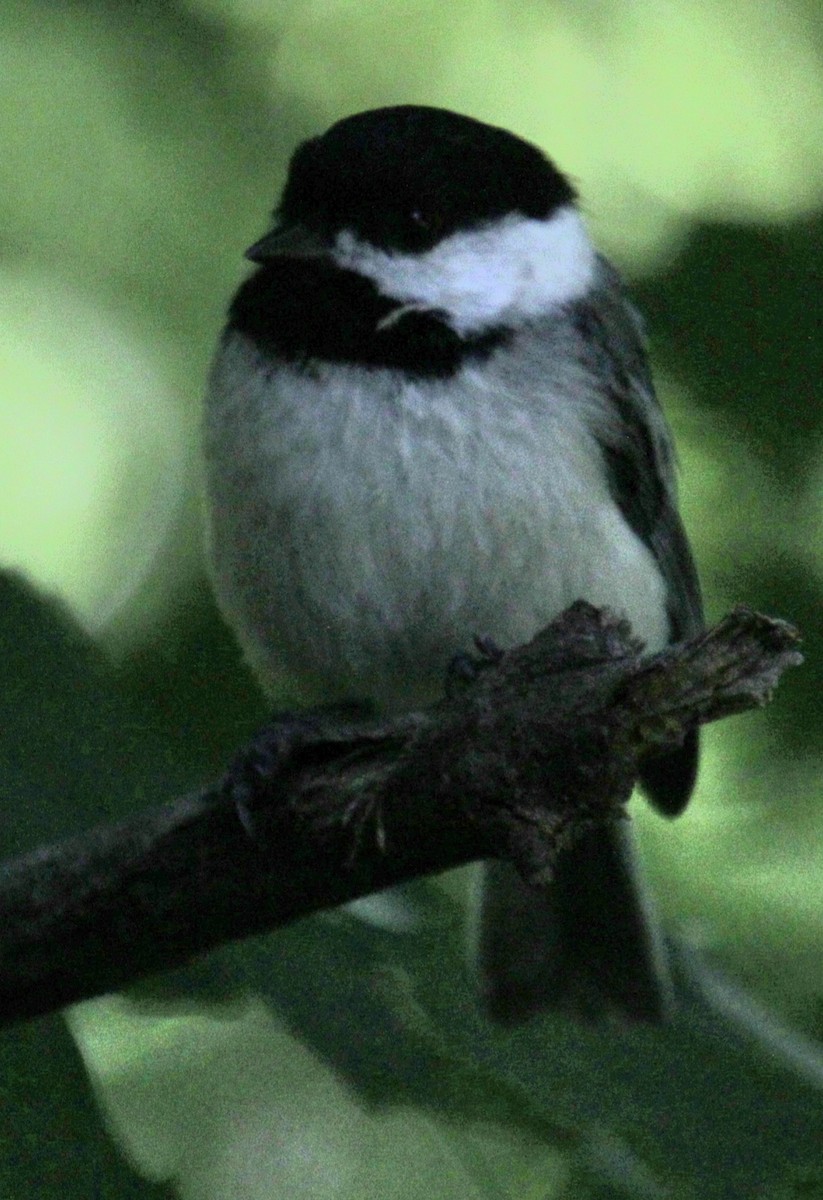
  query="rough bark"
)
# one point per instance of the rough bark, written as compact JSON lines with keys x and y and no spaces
{"x":541,"y":743}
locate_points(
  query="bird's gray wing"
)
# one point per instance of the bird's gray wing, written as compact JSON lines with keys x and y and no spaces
{"x":591,"y":943}
{"x":637,"y":446}
{"x":639,"y":456}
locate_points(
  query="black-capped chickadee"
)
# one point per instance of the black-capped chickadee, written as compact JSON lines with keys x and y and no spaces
{"x":430,"y":416}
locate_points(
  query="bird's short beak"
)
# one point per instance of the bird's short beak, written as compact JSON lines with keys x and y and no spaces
{"x":288,"y":241}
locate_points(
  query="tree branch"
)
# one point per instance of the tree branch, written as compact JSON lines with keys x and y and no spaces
{"x":544,"y":742}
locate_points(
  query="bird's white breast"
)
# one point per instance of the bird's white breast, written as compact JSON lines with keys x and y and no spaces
{"x":363,"y":527}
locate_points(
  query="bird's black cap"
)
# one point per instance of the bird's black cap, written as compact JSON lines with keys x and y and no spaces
{"x":402,"y":179}
{"x":405,"y":177}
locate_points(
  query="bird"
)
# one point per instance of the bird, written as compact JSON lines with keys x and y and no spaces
{"x":430,"y":415}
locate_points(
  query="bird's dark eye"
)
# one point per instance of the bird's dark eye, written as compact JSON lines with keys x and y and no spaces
{"x":425,"y":219}
{"x":403,"y":227}
{"x":426,"y":225}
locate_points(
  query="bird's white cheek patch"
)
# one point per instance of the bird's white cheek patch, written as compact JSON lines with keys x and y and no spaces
{"x":506,"y":271}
